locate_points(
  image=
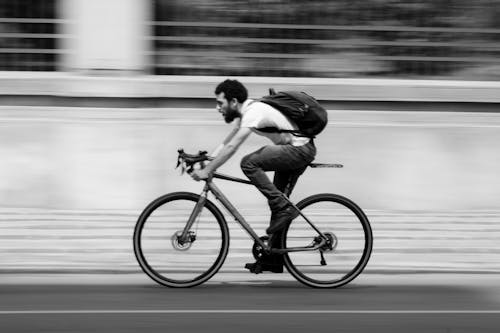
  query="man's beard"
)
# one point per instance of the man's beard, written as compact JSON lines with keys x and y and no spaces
{"x":231,"y":115}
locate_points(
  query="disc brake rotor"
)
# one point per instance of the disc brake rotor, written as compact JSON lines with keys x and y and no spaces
{"x":181,"y":246}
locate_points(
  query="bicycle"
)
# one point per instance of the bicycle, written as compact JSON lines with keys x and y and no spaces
{"x":181,"y":239}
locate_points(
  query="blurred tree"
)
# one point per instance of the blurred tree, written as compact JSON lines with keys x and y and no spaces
{"x":376,"y":37}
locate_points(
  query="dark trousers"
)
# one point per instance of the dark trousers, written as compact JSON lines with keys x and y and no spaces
{"x":287,"y":161}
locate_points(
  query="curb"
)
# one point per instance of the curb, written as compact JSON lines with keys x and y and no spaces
{"x":61,"y":84}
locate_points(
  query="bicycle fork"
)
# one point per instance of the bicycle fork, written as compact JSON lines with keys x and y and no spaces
{"x":187,"y":235}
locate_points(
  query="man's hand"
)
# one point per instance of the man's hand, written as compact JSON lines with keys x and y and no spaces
{"x":201,"y":174}
{"x":226,"y":152}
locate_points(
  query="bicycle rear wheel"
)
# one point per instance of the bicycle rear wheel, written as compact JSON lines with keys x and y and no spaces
{"x":161,"y":252}
{"x":349,"y":234}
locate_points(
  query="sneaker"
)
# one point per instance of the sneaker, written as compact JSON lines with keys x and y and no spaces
{"x":259,"y":267}
{"x":282,"y":218}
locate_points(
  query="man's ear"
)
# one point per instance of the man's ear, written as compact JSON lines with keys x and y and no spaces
{"x":234,"y":102}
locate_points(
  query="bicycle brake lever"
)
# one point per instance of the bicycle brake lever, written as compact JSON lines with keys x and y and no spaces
{"x":181,"y":164}
{"x":179,"y":159}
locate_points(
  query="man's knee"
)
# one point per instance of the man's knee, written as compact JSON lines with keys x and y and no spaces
{"x":247,"y":164}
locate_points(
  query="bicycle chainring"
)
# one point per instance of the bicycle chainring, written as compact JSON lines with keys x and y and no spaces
{"x":257,"y":250}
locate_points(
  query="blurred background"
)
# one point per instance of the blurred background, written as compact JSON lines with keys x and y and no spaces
{"x":96,"y":96}
{"x":321,"y":38}
{"x":285,"y":38}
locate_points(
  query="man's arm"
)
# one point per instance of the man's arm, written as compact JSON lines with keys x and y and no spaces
{"x":226,"y":152}
{"x":228,"y":138}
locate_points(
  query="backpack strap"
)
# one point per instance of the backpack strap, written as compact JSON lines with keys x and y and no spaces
{"x":293,"y":132}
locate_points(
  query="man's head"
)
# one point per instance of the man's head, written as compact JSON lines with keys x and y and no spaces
{"x":229,"y":95}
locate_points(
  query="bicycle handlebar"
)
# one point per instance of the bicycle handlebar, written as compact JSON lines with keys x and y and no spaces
{"x":188,"y":161}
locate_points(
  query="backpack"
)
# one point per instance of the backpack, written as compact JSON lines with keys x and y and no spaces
{"x":311,"y":118}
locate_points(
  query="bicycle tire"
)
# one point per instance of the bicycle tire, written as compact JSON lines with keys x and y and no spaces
{"x":348,"y":227}
{"x":164,"y":259}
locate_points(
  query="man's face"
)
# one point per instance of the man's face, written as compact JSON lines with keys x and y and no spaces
{"x":229,"y":109}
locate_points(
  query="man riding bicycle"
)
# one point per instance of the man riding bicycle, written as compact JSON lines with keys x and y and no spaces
{"x":288,"y":157}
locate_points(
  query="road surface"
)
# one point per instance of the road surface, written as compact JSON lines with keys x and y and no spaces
{"x":235,"y":303}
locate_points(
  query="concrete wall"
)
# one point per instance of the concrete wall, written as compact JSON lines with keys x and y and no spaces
{"x":67,"y":84}
{"x":107,"y":35}
{"x":96,"y":158}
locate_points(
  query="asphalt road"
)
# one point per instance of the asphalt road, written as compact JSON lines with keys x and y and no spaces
{"x":269,"y":303}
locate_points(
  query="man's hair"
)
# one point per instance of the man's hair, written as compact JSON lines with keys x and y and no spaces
{"x":232,"y":89}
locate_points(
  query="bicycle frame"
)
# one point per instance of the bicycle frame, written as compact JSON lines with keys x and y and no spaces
{"x":211,"y":187}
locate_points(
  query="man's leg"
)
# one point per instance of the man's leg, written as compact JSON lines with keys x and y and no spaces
{"x":282,"y":159}
{"x":284,"y":181}
{"x":285,"y":177}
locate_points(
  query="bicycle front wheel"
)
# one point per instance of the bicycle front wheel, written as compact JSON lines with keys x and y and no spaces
{"x":168,"y":258}
{"x":349,"y":245}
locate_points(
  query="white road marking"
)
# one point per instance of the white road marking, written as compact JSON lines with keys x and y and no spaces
{"x":244,"y":311}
